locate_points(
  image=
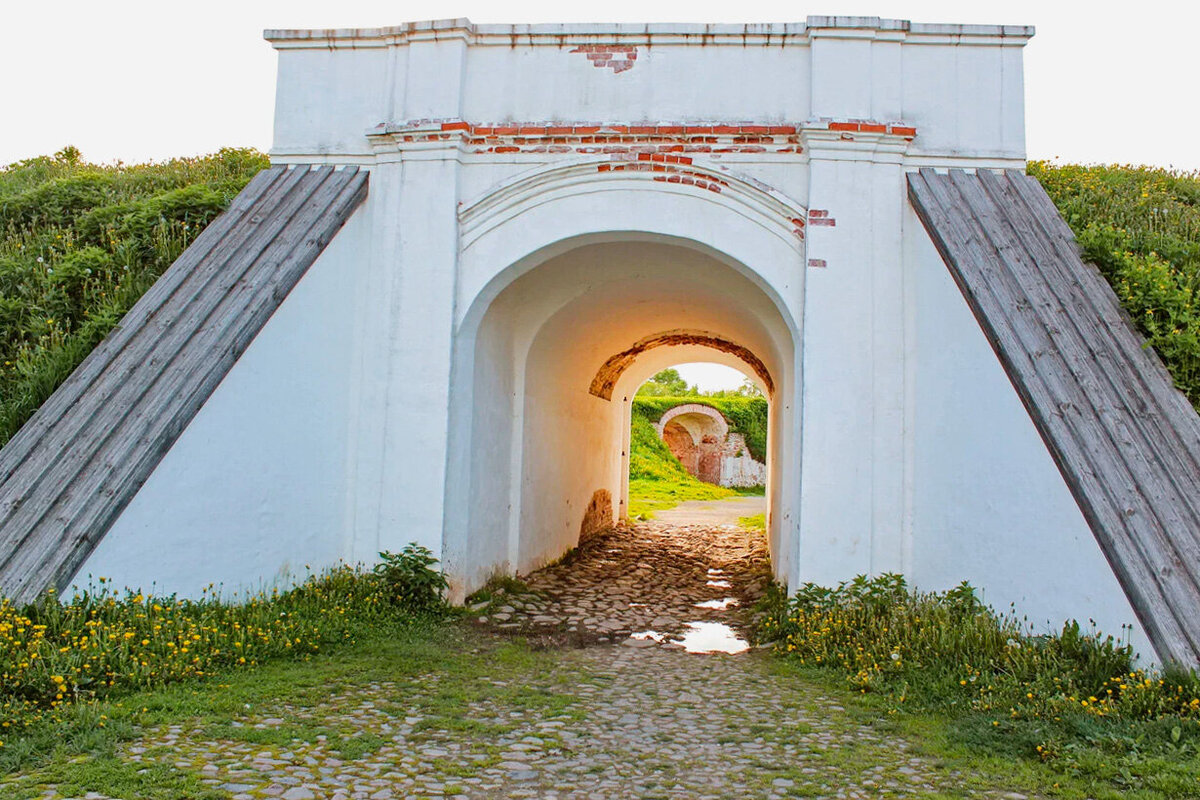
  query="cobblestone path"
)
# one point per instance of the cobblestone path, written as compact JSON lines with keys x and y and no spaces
{"x":616,"y":717}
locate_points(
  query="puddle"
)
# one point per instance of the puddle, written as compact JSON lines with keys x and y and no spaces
{"x":721,"y":604}
{"x":718,"y":584}
{"x":713,"y":571}
{"x":653,"y":636}
{"x":711,"y":637}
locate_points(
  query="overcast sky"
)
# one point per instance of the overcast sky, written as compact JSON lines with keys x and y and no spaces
{"x":136,"y":81}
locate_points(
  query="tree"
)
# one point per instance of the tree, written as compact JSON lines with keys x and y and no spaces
{"x":667,"y":383}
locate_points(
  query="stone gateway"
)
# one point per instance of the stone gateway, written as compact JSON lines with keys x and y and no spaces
{"x":496,"y":233}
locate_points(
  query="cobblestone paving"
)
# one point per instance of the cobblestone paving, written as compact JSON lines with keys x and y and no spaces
{"x":618,"y":718}
{"x":649,"y":577}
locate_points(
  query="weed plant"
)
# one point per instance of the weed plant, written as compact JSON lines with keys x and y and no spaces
{"x":1075,"y":698}
{"x":80,"y":243}
{"x":104,"y":642}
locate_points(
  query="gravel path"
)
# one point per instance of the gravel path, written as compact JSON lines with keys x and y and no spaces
{"x":617,"y":717}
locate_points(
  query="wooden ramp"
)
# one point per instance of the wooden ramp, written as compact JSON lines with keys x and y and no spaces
{"x":70,"y":471}
{"x":1124,"y":438}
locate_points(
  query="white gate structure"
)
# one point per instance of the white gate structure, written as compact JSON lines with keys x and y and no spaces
{"x":555,"y":213}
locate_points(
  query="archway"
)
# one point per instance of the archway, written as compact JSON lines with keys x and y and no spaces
{"x":546,"y":448}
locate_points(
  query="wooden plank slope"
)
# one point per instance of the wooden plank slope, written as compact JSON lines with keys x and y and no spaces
{"x":70,"y":471}
{"x":1125,"y":440}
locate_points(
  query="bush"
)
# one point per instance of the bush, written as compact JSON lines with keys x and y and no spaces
{"x":1141,"y":227}
{"x":79,"y":244}
{"x":410,"y":581}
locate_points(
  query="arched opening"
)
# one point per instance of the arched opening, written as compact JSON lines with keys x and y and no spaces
{"x":543,"y":449}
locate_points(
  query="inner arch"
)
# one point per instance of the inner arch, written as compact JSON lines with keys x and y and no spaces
{"x":543,"y":451}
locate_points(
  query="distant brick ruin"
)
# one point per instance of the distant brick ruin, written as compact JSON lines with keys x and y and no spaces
{"x":699,"y":436}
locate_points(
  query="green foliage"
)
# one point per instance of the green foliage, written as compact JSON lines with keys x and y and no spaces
{"x":410,"y":581}
{"x":80,"y":243}
{"x":666,"y":383}
{"x":754,"y":522}
{"x":1066,"y":697}
{"x":1141,"y":227}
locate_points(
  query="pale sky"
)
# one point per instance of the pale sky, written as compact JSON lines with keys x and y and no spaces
{"x":710,"y":377}
{"x":1105,"y":81}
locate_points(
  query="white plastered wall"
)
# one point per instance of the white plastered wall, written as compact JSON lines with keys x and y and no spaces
{"x":989,"y":505}
{"x":254,"y":490}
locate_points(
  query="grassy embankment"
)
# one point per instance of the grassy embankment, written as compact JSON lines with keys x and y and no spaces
{"x":79,"y":244}
{"x":657,"y":481}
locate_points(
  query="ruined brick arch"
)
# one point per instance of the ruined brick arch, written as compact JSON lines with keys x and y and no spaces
{"x":610,"y":372}
{"x":715,"y":418}
{"x":695,"y":433}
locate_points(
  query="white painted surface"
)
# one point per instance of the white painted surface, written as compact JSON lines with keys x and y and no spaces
{"x":990,"y":506}
{"x":429,"y":379}
{"x":254,"y":490}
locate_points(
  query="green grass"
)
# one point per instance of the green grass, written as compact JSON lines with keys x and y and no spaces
{"x":754,"y":522}
{"x":78,"y":755}
{"x":80,"y":243}
{"x":1071,"y":703}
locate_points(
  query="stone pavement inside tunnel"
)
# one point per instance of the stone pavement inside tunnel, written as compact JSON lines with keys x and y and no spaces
{"x":640,"y":585}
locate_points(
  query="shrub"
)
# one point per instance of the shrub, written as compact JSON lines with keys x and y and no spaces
{"x":410,"y":581}
{"x":1141,"y":227}
{"x":79,"y":244}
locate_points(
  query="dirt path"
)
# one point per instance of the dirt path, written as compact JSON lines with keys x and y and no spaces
{"x":712,"y":512}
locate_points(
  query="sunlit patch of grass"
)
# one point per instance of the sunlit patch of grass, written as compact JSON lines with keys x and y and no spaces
{"x":754,"y":522}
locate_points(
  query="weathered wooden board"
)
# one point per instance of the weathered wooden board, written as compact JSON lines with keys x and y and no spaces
{"x":1126,"y":441}
{"x":70,"y":471}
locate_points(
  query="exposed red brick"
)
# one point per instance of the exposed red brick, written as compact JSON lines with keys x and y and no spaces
{"x":814,"y":213}
{"x":816,"y":262}
{"x":823,"y":221}
{"x":902,"y":130}
{"x":456,"y":126}
{"x":871,"y":127}
{"x":843,"y":126}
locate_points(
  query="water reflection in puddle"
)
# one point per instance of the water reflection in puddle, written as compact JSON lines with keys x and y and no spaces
{"x":653,"y":636}
{"x":712,"y":637}
{"x":722,"y":603}
{"x":718,"y":584}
